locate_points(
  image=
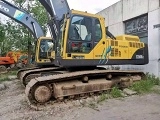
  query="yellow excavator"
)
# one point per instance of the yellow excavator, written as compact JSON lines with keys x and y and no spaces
{"x":81,"y":45}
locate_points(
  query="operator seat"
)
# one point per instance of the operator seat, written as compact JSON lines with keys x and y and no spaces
{"x":88,"y":37}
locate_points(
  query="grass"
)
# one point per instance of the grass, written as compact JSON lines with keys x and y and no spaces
{"x":5,"y":76}
{"x":102,"y":98}
{"x":146,"y":85}
{"x":12,"y":73}
{"x":115,"y":92}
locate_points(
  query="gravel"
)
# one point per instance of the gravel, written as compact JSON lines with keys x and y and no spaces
{"x":14,"y":107}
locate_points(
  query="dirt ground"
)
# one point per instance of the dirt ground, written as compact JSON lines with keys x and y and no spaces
{"x":13,"y":106}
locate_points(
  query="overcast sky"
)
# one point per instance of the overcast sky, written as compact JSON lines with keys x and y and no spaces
{"x":92,"y":6}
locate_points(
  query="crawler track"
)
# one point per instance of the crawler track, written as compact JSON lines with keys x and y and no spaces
{"x":20,"y":72}
{"x":42,"y":90}
{"x":26,"y":75}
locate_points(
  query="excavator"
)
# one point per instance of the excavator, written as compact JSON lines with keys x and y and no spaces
{"x":44,"y":45}
{"x":82,"y":45}
{"x":11,"y":60}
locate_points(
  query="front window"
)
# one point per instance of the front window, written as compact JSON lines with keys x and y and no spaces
{"x":45,"y":47}
{"x":80,"y":34}
{"x":81,"y":28}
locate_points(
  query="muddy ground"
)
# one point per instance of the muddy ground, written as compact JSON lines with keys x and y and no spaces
{"x":13,"y":106}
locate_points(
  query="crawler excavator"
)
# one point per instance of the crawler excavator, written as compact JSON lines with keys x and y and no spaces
{"x":81,"y":45}
{"x":44,"y":45}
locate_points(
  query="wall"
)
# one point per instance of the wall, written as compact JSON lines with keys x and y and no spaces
{"x":154,"y":40}
{"x":133,"y":8}
{"x":153,"y":5}
{"x":115,"y":13}
{"x":113,"y":28}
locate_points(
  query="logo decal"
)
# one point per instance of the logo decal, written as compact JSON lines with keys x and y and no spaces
{"x":139,"y":57}
{"x":106,"y":55}
{"x":4,"y":8}
{"x":18,"y":15}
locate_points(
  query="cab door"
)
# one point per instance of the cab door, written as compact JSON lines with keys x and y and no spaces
{"x":80,"y":43}
{"x":101,"y":45}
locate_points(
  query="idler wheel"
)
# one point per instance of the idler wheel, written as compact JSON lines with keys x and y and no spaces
{"x":85,"y":79}
{"x":42,"y":94}
{"x":109,"y":76}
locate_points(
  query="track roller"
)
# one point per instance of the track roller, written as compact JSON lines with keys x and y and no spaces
{"x":85,"y":79}
{"x":126,"y":82}
{"x":42,"y":93}
{"x":109,"y":76}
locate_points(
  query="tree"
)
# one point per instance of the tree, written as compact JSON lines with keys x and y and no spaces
{"x":17,"y":37}
{"x":2,"y":37}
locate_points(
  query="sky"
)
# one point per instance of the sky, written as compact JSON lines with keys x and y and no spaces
{"x":91,"y":6}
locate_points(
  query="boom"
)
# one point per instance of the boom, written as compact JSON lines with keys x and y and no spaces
{"x":22,"y":17}
{"x":56,"y":10}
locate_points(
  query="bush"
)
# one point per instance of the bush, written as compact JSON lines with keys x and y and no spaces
{"x":146,"y":85}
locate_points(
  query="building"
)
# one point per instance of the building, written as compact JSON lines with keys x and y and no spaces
{"x":137,"y":17}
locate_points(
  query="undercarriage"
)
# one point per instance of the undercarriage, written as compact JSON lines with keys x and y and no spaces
{"x":60,"y":84}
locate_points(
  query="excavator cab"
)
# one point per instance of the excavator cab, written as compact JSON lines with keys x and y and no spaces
{"x":44,"y":50}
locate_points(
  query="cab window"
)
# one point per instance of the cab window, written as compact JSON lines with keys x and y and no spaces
{"x":98,"y":31}
{"x":80,"y":28}
{"x":45,"y":46}
{"x":80,"y":34}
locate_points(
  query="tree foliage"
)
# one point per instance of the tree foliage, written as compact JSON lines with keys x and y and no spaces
{"x":14,"y":36}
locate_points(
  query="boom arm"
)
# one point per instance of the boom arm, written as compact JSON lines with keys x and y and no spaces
{"x":22,"y":17}
{"x":56,"y":10}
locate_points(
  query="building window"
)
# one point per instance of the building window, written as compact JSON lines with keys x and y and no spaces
{"x":138,"y":26}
